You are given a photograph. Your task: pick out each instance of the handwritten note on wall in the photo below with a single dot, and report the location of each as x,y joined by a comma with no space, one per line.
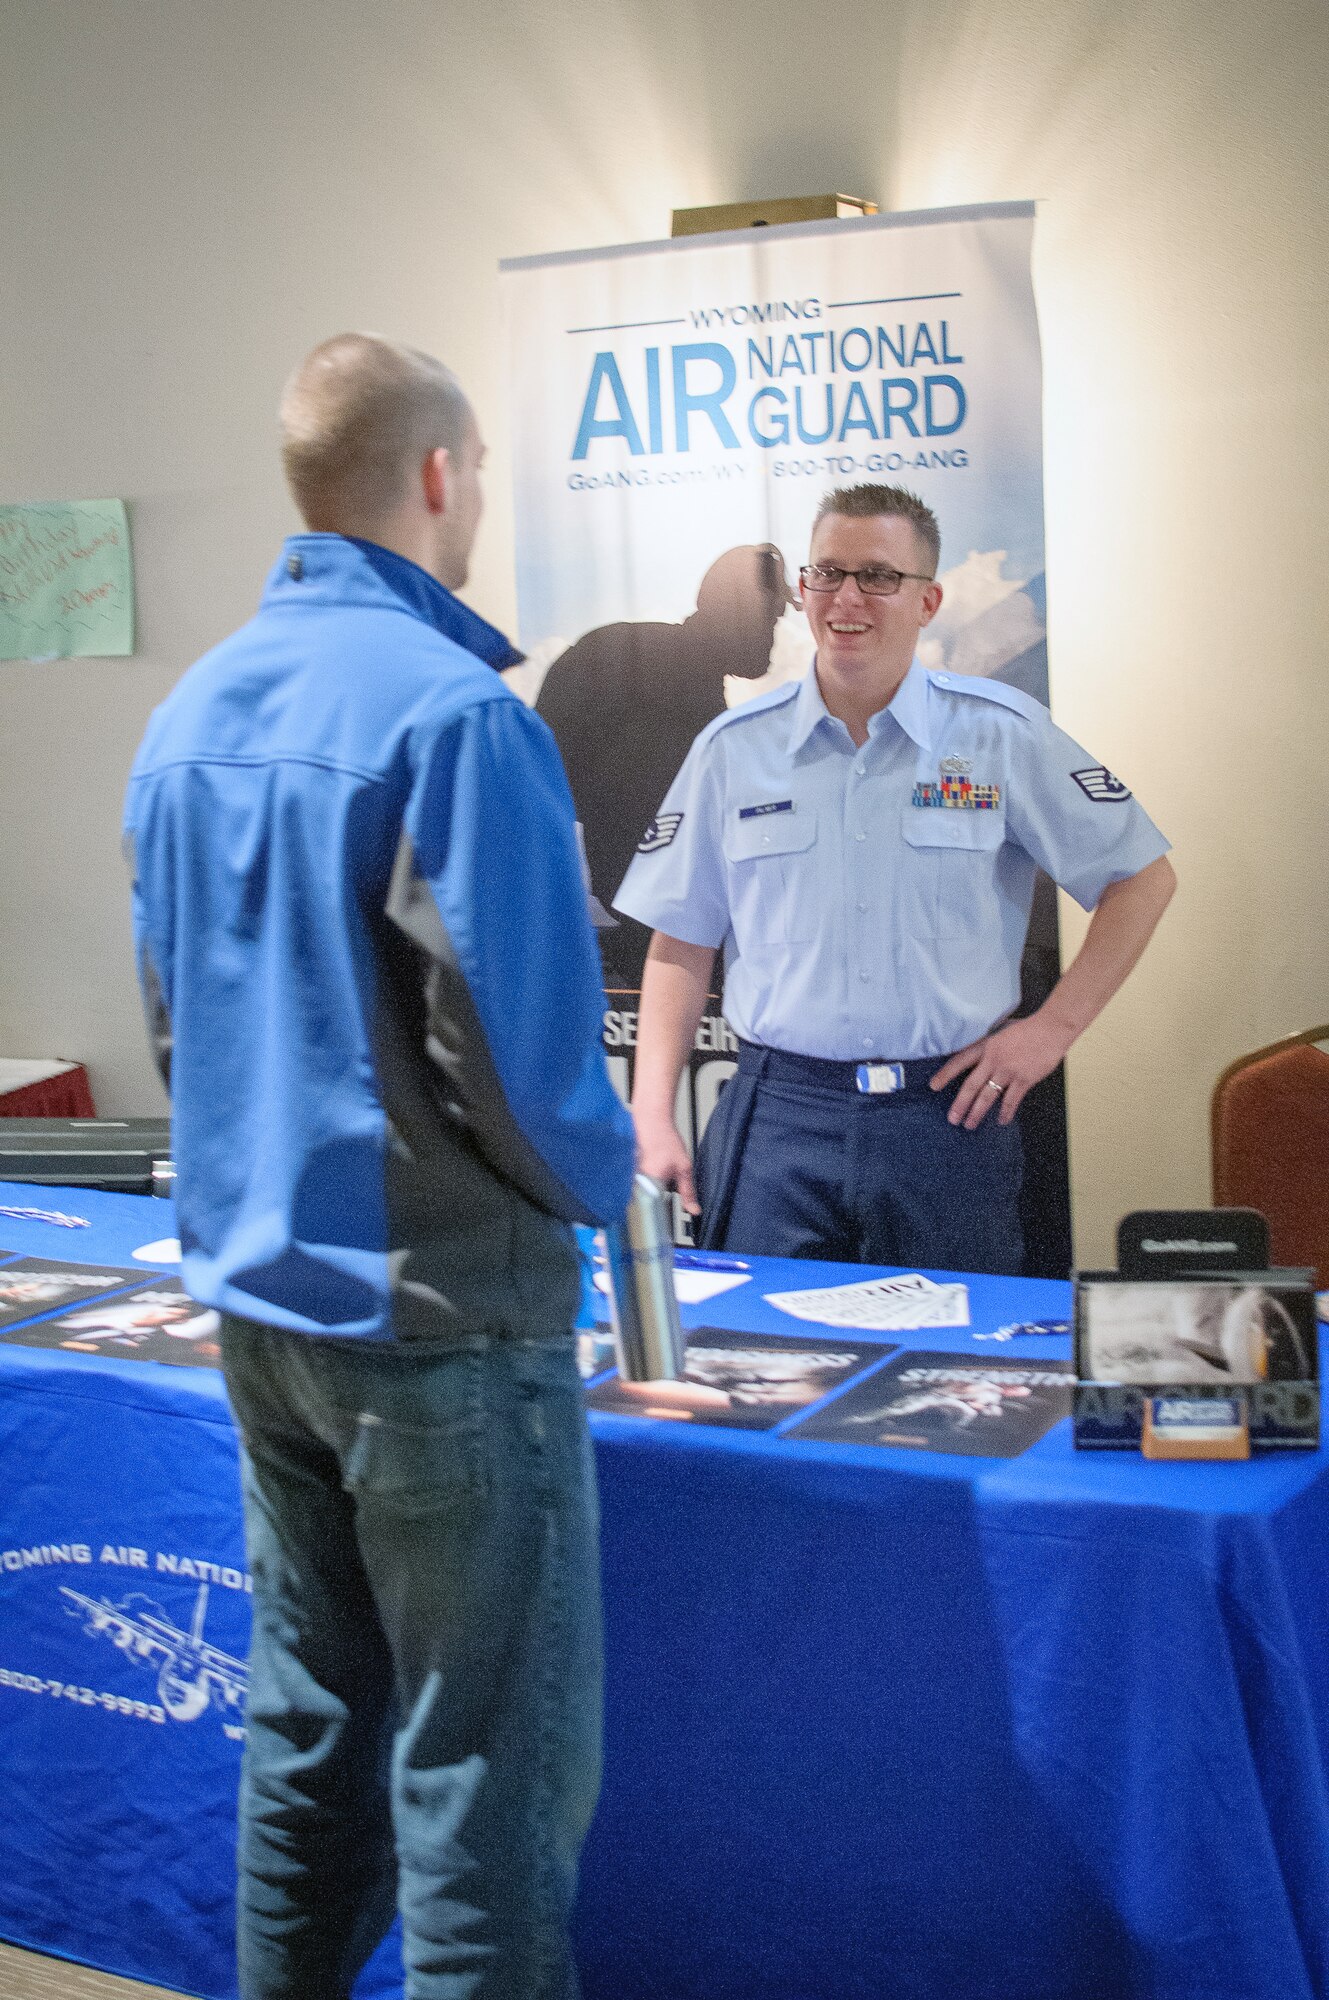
66,580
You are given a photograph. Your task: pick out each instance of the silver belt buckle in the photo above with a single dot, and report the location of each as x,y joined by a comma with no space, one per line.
879,1079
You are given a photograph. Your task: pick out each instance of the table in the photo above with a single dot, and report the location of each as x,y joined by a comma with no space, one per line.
44,1089
879,1722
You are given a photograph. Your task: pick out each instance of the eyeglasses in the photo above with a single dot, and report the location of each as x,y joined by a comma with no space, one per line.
876,580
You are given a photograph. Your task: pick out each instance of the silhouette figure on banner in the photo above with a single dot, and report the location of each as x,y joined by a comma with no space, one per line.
625,702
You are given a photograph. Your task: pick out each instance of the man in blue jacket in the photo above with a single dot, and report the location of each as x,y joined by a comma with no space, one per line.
373,985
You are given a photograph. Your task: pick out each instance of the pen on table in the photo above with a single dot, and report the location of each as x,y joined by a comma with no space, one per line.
705,1260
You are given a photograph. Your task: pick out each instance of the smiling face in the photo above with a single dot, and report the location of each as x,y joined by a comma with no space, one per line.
865,644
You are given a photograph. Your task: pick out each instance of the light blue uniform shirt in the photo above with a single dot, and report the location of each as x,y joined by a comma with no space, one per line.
873,903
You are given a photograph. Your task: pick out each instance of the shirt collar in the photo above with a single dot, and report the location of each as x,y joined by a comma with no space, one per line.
809,711
342,569
908,705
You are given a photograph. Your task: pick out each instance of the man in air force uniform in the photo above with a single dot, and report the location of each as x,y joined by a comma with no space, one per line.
863,845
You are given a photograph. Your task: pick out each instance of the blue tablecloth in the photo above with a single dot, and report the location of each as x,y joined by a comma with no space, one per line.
879,1722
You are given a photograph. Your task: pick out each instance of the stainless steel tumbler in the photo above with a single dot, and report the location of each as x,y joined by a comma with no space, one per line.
639,1253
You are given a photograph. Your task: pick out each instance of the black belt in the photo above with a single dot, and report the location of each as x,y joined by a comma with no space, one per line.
783,1066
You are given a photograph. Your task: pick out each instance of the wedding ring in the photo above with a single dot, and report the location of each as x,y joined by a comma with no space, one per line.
998,1087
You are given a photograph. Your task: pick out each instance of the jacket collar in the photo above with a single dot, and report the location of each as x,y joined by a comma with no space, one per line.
341,569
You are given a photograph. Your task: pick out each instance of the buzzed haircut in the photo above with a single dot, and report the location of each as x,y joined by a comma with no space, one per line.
357,416
867,501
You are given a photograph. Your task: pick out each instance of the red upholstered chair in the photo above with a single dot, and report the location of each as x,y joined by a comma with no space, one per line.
1270,1126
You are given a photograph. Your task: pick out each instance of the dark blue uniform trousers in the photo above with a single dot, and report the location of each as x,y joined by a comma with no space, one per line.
797,1162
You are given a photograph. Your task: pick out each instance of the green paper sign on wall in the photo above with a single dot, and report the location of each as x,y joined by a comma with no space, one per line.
66,580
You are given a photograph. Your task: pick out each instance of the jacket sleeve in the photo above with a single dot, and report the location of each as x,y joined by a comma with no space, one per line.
157,1013
487,885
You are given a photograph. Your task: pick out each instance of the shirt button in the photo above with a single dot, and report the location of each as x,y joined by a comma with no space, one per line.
864,975
867,1041
862,906
859,769
860,836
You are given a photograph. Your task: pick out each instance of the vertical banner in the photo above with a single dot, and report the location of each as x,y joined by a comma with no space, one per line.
679,410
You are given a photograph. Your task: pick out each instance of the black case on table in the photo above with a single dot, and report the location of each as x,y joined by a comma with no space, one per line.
115,1155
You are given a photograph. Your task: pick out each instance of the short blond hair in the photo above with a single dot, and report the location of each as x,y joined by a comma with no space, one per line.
869,502
356,416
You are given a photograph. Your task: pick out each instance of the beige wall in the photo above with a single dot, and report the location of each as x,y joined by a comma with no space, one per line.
192,193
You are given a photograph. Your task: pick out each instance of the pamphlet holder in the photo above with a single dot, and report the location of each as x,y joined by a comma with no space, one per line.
1193,1347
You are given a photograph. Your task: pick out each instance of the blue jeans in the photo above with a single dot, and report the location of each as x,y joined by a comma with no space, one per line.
425,1669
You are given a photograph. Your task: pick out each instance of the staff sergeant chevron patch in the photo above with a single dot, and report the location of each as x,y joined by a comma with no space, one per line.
659,833
1099,784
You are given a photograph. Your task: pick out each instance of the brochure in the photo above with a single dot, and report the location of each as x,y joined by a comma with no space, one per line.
744,1381
992,1408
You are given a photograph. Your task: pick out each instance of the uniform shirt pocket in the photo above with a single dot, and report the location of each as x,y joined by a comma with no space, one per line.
770,861
950,868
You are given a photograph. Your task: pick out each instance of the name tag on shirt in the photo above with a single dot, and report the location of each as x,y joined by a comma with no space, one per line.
760,812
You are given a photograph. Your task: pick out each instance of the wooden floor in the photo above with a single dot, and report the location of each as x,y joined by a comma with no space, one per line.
26,1975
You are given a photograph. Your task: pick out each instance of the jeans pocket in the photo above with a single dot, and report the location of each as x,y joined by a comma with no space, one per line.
430,1454
548,1415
